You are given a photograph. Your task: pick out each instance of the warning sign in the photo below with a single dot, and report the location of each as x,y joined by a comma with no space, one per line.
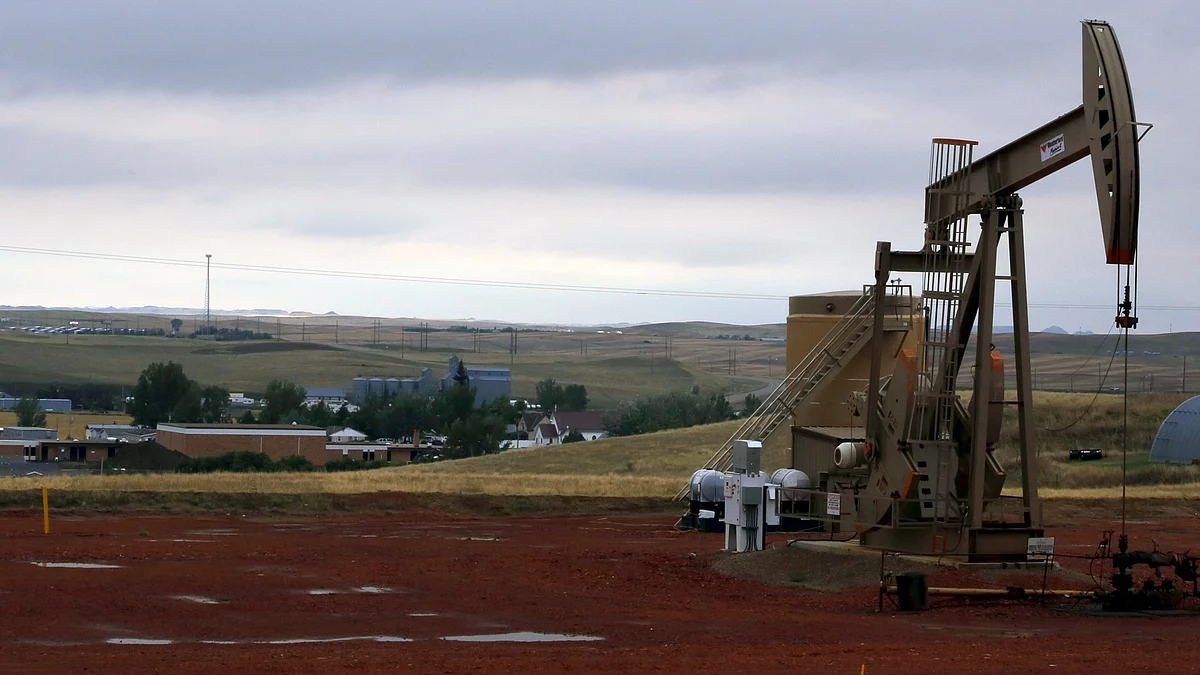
1054,147
833,504
1040,548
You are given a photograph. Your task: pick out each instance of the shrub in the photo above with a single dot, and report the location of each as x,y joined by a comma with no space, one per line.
294,463
243,461
352,465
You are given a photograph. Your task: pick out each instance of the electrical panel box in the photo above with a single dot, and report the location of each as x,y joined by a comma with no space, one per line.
746,506
747,457
733,493
771,507
752,496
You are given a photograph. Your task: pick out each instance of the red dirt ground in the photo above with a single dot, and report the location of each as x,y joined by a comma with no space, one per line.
626,579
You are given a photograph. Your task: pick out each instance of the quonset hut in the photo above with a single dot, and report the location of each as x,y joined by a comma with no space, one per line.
1178,439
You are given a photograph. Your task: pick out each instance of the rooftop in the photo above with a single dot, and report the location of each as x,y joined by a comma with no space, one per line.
326,392
581,420
242,427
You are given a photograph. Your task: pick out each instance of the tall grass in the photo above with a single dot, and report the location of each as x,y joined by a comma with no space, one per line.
1064,422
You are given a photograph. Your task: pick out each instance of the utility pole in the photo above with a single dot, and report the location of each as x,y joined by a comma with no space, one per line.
335,332
207,288
1183,384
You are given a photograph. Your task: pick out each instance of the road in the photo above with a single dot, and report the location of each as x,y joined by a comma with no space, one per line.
769,384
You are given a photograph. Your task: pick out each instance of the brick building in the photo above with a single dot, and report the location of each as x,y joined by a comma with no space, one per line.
273,440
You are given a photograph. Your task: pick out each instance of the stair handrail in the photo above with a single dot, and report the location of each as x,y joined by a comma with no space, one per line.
750,429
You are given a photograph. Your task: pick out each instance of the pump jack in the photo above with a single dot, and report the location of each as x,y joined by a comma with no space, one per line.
925,480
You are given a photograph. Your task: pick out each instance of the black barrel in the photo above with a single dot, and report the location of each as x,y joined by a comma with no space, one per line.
912,591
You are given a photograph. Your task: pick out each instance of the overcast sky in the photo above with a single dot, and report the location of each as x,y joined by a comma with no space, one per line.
735,147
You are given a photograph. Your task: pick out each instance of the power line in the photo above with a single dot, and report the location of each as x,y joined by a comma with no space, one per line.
349,274
488,283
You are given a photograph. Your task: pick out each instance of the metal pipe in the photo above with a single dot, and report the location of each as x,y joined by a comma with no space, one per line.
1014,592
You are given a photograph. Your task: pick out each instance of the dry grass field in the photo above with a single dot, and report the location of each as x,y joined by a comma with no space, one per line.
673,454
1064,421
359,482
1067,421
623,369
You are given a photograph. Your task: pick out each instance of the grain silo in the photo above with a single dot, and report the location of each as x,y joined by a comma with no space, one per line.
376,387
358,390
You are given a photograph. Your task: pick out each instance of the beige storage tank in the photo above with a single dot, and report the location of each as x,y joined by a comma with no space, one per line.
811,317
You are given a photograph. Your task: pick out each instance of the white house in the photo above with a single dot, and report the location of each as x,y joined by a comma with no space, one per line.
346,435
546,434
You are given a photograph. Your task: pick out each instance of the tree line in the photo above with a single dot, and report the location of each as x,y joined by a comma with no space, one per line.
165,394
672,410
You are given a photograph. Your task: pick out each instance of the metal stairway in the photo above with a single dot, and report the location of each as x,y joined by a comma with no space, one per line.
817,369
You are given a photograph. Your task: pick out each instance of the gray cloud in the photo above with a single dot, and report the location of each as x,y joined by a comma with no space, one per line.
624,143
229,45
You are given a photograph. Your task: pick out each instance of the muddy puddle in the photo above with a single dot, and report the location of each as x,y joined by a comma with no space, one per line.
523,636
282,641
198,599
77,566
368,590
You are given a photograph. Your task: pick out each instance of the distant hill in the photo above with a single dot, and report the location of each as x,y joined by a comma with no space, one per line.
709,329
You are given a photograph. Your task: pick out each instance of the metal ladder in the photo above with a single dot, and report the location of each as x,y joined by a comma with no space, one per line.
838,346
944,281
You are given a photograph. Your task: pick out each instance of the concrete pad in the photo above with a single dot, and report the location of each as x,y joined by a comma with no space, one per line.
854,548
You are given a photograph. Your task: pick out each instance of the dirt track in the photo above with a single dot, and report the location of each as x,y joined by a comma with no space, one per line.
423,576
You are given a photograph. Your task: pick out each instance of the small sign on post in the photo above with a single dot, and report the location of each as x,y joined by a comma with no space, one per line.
833,504
1039,548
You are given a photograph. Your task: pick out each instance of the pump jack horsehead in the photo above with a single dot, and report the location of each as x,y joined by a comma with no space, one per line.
926,480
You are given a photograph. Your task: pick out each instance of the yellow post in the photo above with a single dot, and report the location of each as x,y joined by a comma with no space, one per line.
46,509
